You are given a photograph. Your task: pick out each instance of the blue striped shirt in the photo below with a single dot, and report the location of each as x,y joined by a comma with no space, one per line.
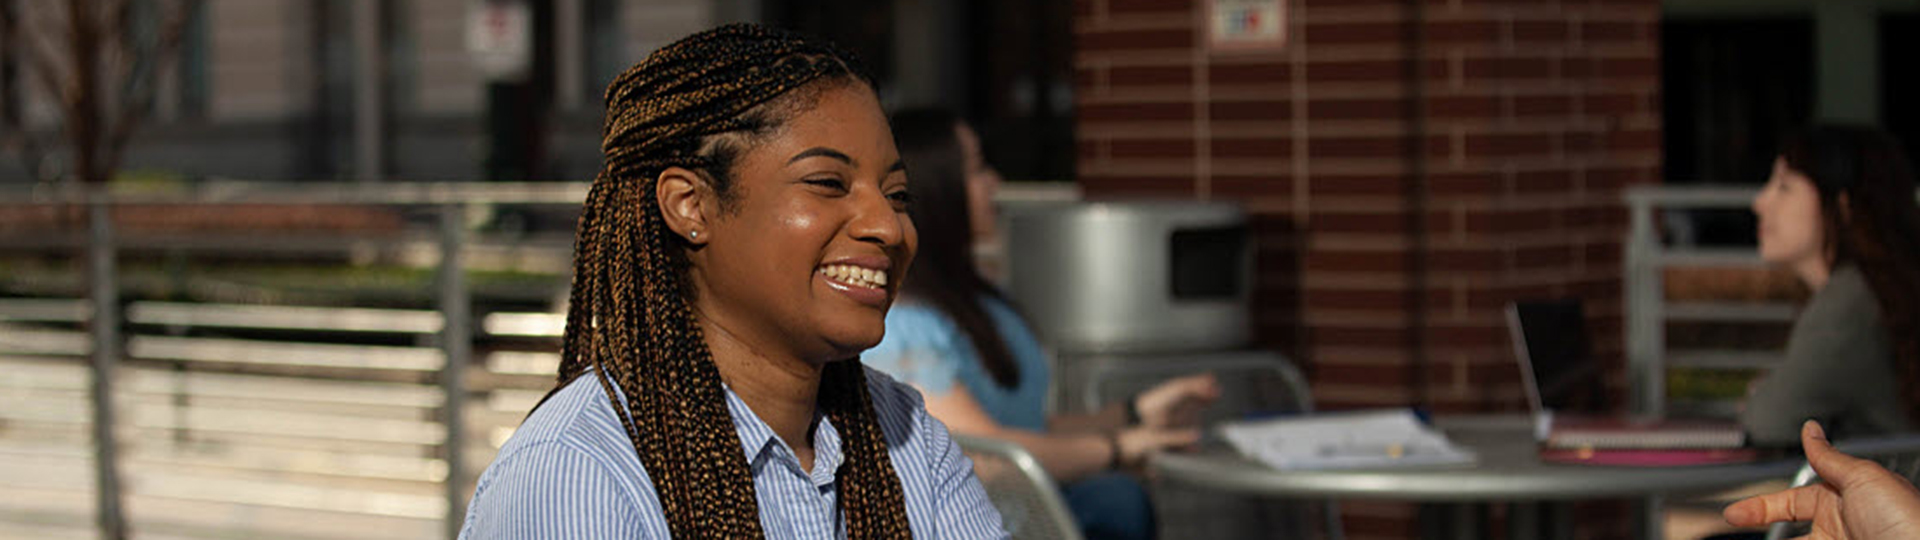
571,472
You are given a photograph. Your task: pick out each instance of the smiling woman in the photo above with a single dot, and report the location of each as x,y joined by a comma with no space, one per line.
744,241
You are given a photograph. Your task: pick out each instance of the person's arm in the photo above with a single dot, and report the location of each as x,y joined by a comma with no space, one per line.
1820,373
554,490
1857,499
1173,403
1066,456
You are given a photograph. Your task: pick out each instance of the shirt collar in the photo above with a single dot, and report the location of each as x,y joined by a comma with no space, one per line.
761,445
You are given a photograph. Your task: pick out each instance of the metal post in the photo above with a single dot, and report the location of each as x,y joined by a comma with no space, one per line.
369,79
1646,321
456,341
105,328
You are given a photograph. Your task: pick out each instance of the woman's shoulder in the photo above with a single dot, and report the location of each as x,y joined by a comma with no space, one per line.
578,415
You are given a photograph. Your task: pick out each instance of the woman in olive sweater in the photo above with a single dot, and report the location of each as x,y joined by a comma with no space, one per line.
1839,212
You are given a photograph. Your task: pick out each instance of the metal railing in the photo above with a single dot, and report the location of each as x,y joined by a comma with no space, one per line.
181,354
105,316
1648,311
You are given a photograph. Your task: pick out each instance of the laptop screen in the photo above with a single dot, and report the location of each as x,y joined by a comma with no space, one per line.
1556,364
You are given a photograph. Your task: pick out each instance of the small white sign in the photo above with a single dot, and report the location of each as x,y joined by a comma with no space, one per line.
1247,24
500,38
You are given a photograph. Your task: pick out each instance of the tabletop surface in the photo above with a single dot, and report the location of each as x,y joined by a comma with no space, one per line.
1508,468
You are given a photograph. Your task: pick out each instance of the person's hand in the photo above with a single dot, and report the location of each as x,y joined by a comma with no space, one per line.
1139,443
1858,499
1176,402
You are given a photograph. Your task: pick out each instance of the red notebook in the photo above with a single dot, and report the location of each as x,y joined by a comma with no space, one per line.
1605,433
1648,458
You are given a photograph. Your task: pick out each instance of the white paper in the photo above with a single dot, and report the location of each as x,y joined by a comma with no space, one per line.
1344,440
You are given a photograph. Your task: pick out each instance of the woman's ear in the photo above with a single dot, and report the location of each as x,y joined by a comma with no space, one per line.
683,196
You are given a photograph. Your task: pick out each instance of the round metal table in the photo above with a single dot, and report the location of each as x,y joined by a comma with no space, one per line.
1508,470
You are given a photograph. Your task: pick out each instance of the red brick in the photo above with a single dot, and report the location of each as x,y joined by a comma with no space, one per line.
1257,111
1379,261
1260,147
1354,337
1463,32
1458,107
1463,184
1358,299
1149,76
1354,33
1503,221
1479,69
1634,140
1580,142
1150,148
1603,182
1627,68
1508,144
1358,221
1614,104
1167,7
1382,146
1603,254
1124,187
1465,259
1240,186
1497,298
1129,40
1543,182
1451,335
1369,70
1087,149
1539,257
1228,74
1548,105
1135,112
1383,186
1356,109
1530,33
1598,32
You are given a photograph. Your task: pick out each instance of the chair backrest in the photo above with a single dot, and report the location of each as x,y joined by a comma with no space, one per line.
1252,384
1029,502
1900,454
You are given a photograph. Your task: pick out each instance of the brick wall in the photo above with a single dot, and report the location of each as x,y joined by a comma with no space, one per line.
1400,199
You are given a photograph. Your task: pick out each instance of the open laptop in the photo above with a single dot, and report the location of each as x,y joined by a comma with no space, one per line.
1568,398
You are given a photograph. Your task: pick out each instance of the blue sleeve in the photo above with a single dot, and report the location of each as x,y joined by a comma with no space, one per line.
922,347
553,490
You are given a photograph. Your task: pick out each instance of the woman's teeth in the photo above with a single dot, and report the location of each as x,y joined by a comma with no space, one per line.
854,275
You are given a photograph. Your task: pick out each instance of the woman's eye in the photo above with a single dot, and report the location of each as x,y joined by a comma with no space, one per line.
901,197
829,183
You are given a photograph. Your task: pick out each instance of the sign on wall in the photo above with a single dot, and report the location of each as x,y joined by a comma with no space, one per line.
500,38
1247,24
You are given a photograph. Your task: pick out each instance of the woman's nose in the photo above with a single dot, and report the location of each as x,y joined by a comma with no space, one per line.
875,220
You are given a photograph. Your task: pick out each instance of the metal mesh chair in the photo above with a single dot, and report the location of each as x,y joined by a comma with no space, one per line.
1029,502
1900,454
1251,384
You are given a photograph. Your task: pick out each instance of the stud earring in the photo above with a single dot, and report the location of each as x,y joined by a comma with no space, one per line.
694,234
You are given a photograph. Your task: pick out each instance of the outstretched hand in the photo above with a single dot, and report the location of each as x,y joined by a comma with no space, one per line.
1857,500
1177,402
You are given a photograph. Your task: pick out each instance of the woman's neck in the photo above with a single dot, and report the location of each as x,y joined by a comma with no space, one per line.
1813,272
780,389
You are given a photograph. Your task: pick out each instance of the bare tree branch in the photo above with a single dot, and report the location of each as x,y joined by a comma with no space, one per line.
165,55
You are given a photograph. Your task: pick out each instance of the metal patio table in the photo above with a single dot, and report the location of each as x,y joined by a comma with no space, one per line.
1508,470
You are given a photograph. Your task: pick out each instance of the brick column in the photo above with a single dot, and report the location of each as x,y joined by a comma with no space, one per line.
1409,174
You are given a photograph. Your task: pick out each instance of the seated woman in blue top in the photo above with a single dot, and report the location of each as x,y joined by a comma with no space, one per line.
983,373
741,246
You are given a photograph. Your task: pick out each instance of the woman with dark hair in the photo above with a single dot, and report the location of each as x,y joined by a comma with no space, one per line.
957,339
1839,213
741,246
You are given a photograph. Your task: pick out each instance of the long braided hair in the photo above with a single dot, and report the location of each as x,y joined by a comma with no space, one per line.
629,321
